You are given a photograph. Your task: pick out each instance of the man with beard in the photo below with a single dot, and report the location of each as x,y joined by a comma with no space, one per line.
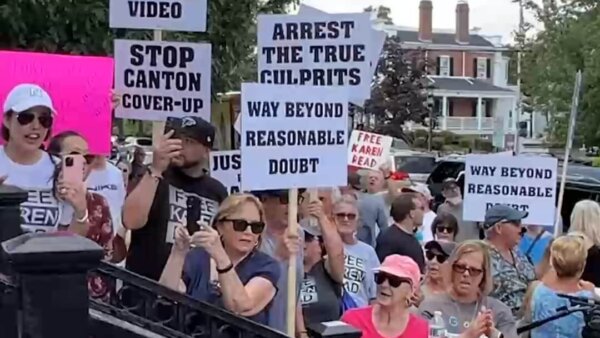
159,202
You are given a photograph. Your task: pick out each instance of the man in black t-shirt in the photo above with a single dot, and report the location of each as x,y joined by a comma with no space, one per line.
407,212
159,202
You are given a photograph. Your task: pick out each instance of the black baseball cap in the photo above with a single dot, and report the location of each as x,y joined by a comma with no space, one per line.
502,213
444,247
193,127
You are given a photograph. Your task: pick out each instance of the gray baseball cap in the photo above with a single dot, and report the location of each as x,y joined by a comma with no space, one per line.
502,213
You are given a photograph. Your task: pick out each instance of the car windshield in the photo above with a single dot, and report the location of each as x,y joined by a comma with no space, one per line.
414,164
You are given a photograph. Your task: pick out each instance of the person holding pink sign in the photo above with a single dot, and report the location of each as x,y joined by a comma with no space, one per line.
28,120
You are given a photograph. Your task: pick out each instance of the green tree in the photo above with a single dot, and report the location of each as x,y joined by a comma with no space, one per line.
398,93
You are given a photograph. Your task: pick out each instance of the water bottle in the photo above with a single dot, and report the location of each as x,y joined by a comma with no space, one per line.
437,327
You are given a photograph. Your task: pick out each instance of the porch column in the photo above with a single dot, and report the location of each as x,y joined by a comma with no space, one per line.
444,112
479,113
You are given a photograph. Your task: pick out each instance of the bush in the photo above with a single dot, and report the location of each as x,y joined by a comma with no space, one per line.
420,142
596,162
484,145
465,142
420,133
448,136
437,143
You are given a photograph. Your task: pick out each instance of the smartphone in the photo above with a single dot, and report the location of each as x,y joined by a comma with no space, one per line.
170,124
193,214
72,168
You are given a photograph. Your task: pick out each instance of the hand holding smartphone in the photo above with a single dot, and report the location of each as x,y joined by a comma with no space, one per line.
193,214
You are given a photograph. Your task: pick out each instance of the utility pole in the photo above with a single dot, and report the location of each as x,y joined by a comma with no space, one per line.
429,102
520,40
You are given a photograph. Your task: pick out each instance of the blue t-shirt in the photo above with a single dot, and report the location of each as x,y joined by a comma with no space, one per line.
539,248
196,276
544,304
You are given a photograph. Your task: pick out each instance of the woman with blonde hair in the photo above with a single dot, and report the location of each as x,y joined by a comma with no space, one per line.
221,264
585,218
466,308
567,261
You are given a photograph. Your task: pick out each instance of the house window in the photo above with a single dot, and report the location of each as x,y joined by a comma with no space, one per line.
482,68
445,65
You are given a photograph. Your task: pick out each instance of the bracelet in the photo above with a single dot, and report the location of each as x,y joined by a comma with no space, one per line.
225,269
85,217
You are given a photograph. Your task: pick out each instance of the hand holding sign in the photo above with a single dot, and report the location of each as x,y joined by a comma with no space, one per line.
166,149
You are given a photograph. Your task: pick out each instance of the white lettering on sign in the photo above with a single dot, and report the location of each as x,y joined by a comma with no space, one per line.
368,150
175,15
178,210
526,183
41,212
316,50
160,79
225,166
293,136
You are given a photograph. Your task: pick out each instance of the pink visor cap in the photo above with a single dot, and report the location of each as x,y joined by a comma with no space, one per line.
403,267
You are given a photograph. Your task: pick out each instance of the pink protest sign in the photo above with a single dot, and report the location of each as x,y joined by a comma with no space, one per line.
79,86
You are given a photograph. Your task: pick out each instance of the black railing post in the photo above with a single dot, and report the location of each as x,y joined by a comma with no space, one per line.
335,329
50,273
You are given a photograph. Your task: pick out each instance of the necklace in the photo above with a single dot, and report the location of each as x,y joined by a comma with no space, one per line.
460,316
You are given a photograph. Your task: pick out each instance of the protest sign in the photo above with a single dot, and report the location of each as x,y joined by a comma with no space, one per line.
375,43
225,167
368,150
526,183
316,50
173,15
293,136
78,85
162,79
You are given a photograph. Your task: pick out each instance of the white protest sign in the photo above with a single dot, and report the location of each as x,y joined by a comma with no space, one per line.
225,167
171,15
526,183
293,136
368,150
161,79
316,50
375,43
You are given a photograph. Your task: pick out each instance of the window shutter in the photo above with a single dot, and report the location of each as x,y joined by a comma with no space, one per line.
474,68
474,105
489,68
438,65
450,107
451,66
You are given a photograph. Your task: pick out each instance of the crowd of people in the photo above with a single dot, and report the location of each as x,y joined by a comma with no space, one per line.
376,253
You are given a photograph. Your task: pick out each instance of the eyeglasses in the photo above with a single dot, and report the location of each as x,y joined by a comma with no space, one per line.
27,117
341,215
441,258
394,281
444,229
240,225
460,268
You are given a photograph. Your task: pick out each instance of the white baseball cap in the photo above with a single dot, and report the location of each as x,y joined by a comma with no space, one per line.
26,96
419,188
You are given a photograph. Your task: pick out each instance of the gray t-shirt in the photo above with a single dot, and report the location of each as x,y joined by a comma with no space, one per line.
278,311
457,316
360,260
373,217
466,229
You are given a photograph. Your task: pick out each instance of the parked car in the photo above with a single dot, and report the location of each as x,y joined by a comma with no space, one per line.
418,165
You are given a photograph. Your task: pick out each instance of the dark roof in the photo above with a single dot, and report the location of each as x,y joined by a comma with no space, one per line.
444,38
465,84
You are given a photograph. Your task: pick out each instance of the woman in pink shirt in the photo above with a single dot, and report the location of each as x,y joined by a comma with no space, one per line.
389,317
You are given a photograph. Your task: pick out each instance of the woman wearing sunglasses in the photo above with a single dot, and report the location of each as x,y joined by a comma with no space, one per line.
444,227
222,264
436,255
27,123
466,308
397,279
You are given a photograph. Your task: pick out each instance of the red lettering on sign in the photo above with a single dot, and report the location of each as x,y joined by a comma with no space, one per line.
354,147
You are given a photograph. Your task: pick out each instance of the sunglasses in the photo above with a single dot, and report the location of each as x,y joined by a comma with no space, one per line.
89,158
460,268
394,281
350,217
444,229
441,258
240,225
27,117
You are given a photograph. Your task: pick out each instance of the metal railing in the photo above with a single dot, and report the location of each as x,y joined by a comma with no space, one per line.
456,123
158,309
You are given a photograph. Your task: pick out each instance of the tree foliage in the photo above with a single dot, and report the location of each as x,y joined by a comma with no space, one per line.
383,13
570,41
80,27
398,92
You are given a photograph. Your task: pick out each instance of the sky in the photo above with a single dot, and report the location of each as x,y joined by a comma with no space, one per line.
494,17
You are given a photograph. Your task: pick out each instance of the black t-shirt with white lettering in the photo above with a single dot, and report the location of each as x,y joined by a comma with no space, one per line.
151,245
394,240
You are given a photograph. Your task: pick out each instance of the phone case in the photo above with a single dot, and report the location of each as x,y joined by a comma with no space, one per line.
193,214
72,168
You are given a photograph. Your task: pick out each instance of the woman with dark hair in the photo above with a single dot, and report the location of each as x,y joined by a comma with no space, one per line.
444,227
28,119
